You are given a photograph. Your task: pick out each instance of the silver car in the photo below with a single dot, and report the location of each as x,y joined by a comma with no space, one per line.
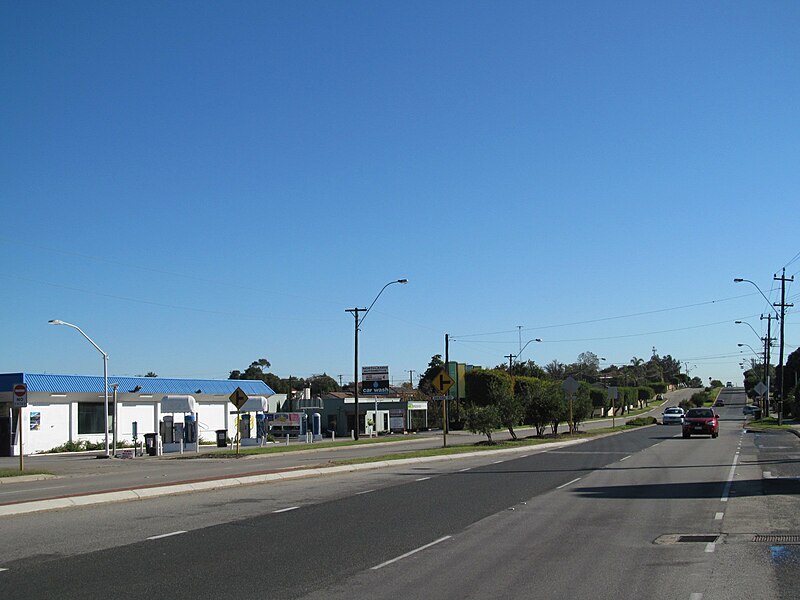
672,416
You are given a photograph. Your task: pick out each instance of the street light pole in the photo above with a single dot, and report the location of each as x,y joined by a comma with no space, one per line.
358,322
105,373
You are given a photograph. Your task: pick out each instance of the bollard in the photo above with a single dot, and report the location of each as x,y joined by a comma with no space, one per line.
287,439
333,436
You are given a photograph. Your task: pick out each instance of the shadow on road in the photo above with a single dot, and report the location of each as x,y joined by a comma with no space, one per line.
703,489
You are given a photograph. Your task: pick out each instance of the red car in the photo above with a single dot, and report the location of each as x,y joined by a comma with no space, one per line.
700,420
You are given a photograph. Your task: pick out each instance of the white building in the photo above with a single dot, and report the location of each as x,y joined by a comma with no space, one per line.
69,408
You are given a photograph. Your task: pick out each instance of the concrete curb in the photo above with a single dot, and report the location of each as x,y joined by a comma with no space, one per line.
25,478
185,488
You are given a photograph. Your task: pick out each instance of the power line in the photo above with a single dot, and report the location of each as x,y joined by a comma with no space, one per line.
602,319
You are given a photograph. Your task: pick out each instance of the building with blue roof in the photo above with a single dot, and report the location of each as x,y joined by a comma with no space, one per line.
69,408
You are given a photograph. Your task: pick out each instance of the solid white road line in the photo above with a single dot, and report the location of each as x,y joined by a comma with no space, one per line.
1,569
364,492
568,483
283,510
422,479
727,491
164,535
407,554
464,469
626,458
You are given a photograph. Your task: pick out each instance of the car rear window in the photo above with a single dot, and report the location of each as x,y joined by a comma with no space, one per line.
700,413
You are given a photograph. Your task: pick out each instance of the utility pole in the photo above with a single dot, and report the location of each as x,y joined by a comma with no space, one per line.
519,327
767,359
445,423
783,306
411,377
510,357
354,312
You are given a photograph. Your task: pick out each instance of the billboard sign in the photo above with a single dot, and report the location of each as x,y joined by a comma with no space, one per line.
375,380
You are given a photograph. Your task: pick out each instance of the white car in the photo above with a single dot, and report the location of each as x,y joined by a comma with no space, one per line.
672,416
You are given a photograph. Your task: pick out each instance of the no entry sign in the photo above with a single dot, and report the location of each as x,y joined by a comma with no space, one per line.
20,395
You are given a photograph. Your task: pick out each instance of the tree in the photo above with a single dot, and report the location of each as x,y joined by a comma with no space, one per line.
151,374
426,381
322,384
483,419
636,364
495,388
556,369
540,401
528,369
586,367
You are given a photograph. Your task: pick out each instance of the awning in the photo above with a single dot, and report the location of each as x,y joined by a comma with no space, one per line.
255,404
178,404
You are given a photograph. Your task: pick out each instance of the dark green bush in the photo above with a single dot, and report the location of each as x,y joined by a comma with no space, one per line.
640,421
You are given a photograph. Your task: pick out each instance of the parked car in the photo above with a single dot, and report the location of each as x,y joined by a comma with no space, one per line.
700,420
672,416
752,409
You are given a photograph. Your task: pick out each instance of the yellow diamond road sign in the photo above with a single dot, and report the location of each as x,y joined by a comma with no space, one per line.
443,382
238,398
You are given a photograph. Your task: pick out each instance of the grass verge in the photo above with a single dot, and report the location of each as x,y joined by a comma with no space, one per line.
769,423
18,473
279,448
485,447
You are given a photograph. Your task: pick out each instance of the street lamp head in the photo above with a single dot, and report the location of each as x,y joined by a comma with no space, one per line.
403,281
537,339
738,280
738,322
55,322
740,345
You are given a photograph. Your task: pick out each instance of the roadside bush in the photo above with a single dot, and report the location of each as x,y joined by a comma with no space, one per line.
644,394
700,398
660,387
641,421
483,419
77,446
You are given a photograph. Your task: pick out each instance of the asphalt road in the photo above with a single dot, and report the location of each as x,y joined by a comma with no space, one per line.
85,474
600,519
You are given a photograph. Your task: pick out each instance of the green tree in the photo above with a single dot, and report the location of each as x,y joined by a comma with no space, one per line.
322,384
495,388
426,381
528,369
540,400
483,419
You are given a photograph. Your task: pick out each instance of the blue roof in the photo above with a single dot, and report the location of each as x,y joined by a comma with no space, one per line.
139,385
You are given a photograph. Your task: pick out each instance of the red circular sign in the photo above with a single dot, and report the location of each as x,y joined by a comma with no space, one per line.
20,390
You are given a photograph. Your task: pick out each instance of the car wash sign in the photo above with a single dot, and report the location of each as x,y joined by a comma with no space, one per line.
375,380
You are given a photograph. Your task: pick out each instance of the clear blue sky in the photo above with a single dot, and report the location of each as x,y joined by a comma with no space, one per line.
198,185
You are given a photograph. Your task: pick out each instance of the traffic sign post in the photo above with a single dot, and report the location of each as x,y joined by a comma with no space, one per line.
20,401
443,382
238,398
613,394
570,386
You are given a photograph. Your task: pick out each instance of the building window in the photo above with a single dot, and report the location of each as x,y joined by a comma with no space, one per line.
90,417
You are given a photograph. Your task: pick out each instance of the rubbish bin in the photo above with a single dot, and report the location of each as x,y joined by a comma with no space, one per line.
222,438
150,444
